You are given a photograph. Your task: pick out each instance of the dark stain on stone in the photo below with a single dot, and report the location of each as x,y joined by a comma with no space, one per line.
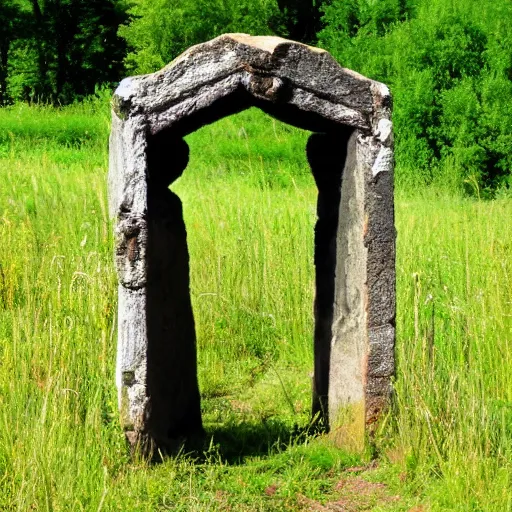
133,248
128,378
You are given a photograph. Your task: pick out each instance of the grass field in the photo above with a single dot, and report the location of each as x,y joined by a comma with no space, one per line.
249,205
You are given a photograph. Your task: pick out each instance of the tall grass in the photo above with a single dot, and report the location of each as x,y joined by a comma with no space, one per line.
454,382
249,206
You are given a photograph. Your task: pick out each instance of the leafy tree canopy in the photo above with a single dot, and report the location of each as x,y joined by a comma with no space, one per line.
162,29
67,47
449,67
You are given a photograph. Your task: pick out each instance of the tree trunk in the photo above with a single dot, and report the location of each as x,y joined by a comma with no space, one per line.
4,56
43,89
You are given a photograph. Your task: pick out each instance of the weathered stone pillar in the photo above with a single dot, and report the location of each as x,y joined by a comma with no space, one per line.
351,157
362,344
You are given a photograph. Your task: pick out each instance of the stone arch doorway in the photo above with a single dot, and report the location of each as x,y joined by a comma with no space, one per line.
350,155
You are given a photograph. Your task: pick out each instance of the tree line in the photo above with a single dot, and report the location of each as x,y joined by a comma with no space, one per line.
58,50
448,62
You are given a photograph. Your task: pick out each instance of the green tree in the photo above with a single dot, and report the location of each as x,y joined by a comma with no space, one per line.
12,23
70,47
162,29
449,67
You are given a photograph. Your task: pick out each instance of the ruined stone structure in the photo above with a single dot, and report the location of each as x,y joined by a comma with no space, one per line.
351,156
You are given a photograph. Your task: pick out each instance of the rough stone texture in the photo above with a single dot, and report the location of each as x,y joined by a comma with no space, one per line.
349,336
351,157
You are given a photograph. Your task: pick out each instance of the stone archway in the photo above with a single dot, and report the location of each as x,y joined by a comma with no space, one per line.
351,157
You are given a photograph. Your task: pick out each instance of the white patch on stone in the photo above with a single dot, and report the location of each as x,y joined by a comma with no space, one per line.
383,162
382,88
384,130
125,89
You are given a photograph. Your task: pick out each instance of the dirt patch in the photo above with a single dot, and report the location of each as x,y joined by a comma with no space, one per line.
355,495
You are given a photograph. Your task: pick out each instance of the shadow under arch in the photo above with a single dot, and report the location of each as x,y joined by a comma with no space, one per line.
350,158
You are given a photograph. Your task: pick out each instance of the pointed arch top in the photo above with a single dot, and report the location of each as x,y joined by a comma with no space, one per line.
299,84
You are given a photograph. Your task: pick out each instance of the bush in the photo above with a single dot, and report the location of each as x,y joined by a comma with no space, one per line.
449,68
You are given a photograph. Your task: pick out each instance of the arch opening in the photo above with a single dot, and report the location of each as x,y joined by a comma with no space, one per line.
172,358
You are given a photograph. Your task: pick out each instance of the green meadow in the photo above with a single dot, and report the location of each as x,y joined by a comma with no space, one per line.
249,206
